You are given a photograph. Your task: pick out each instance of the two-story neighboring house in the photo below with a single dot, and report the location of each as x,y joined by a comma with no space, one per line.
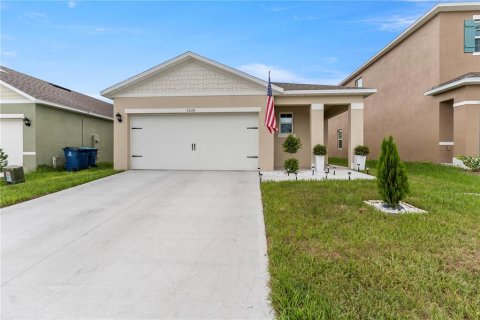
428,89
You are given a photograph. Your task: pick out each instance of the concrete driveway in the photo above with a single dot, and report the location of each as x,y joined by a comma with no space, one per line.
138,245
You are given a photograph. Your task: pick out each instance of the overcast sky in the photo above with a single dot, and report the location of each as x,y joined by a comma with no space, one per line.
88,46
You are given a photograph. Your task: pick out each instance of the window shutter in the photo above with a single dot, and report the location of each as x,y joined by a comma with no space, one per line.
469,41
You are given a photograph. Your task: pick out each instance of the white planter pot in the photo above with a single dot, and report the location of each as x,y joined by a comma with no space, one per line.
359,160
320,163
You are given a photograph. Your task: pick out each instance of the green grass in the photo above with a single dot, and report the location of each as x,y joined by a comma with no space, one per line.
44,181
333,257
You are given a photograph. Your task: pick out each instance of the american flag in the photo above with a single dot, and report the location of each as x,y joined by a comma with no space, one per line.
270,121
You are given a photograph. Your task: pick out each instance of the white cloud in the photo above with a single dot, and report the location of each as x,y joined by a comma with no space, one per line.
6,37
330,60
285,8
72,4
11,54
101,30
36,17
279,74
392,23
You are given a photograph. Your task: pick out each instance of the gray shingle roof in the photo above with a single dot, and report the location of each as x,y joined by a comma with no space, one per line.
463,76
305,86
52,93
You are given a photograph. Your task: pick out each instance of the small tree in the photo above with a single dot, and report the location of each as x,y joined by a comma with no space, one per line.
392,178
291,145
291,165
3,159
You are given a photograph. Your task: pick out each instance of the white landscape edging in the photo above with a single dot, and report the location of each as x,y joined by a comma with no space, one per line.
402,208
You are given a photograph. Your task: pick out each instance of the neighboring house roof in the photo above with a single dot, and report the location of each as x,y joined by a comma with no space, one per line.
470,78
278,87
41,91
441,7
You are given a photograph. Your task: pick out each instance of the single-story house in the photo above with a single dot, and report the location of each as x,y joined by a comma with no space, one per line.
38,119
193,113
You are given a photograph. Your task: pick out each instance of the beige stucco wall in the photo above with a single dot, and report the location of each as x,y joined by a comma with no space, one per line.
453,60
334,124
121,130
301,129
430,56
467,130
270,154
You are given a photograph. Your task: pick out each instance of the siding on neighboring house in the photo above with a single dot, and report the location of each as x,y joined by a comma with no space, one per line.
58,128
431,55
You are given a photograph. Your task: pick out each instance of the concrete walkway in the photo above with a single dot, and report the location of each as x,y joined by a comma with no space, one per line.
138,245
335,173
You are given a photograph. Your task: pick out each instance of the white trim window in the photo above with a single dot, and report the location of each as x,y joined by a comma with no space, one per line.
340,139
359,82
285,124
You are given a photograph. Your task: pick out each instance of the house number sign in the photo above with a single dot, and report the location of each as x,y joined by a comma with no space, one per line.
190,110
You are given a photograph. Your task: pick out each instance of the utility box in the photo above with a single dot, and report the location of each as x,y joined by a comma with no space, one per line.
95,140
13,174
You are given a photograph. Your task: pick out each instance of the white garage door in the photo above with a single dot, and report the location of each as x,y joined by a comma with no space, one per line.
194,141
11,140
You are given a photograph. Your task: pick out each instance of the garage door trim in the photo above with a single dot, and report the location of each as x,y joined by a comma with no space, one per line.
192,110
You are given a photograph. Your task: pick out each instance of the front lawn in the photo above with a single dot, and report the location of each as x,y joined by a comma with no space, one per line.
44,181
332,256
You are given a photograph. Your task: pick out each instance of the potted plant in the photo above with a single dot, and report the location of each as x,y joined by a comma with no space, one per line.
360,158
291,145
320,151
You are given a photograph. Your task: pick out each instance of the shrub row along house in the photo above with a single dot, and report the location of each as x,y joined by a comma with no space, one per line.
428,89
38,119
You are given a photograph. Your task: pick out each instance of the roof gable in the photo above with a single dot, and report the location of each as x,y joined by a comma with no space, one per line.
189,74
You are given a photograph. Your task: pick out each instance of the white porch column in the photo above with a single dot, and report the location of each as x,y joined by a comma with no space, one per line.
325,137
355,130
317,135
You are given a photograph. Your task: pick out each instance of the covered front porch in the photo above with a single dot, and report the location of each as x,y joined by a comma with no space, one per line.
306,116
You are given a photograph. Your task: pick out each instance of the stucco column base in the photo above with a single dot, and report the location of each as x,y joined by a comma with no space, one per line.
317,122
355,130
466,130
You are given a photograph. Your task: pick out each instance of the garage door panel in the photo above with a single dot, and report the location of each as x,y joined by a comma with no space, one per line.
221,142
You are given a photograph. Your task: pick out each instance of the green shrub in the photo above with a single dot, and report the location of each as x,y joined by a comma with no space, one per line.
292,144
361,150
472,163
3,159
392,178
291,165
319,150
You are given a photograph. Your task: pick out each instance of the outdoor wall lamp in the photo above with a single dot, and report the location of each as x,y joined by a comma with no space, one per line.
27,122
119,117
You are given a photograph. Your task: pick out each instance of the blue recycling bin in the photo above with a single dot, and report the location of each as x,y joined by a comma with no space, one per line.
75,158
91,155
